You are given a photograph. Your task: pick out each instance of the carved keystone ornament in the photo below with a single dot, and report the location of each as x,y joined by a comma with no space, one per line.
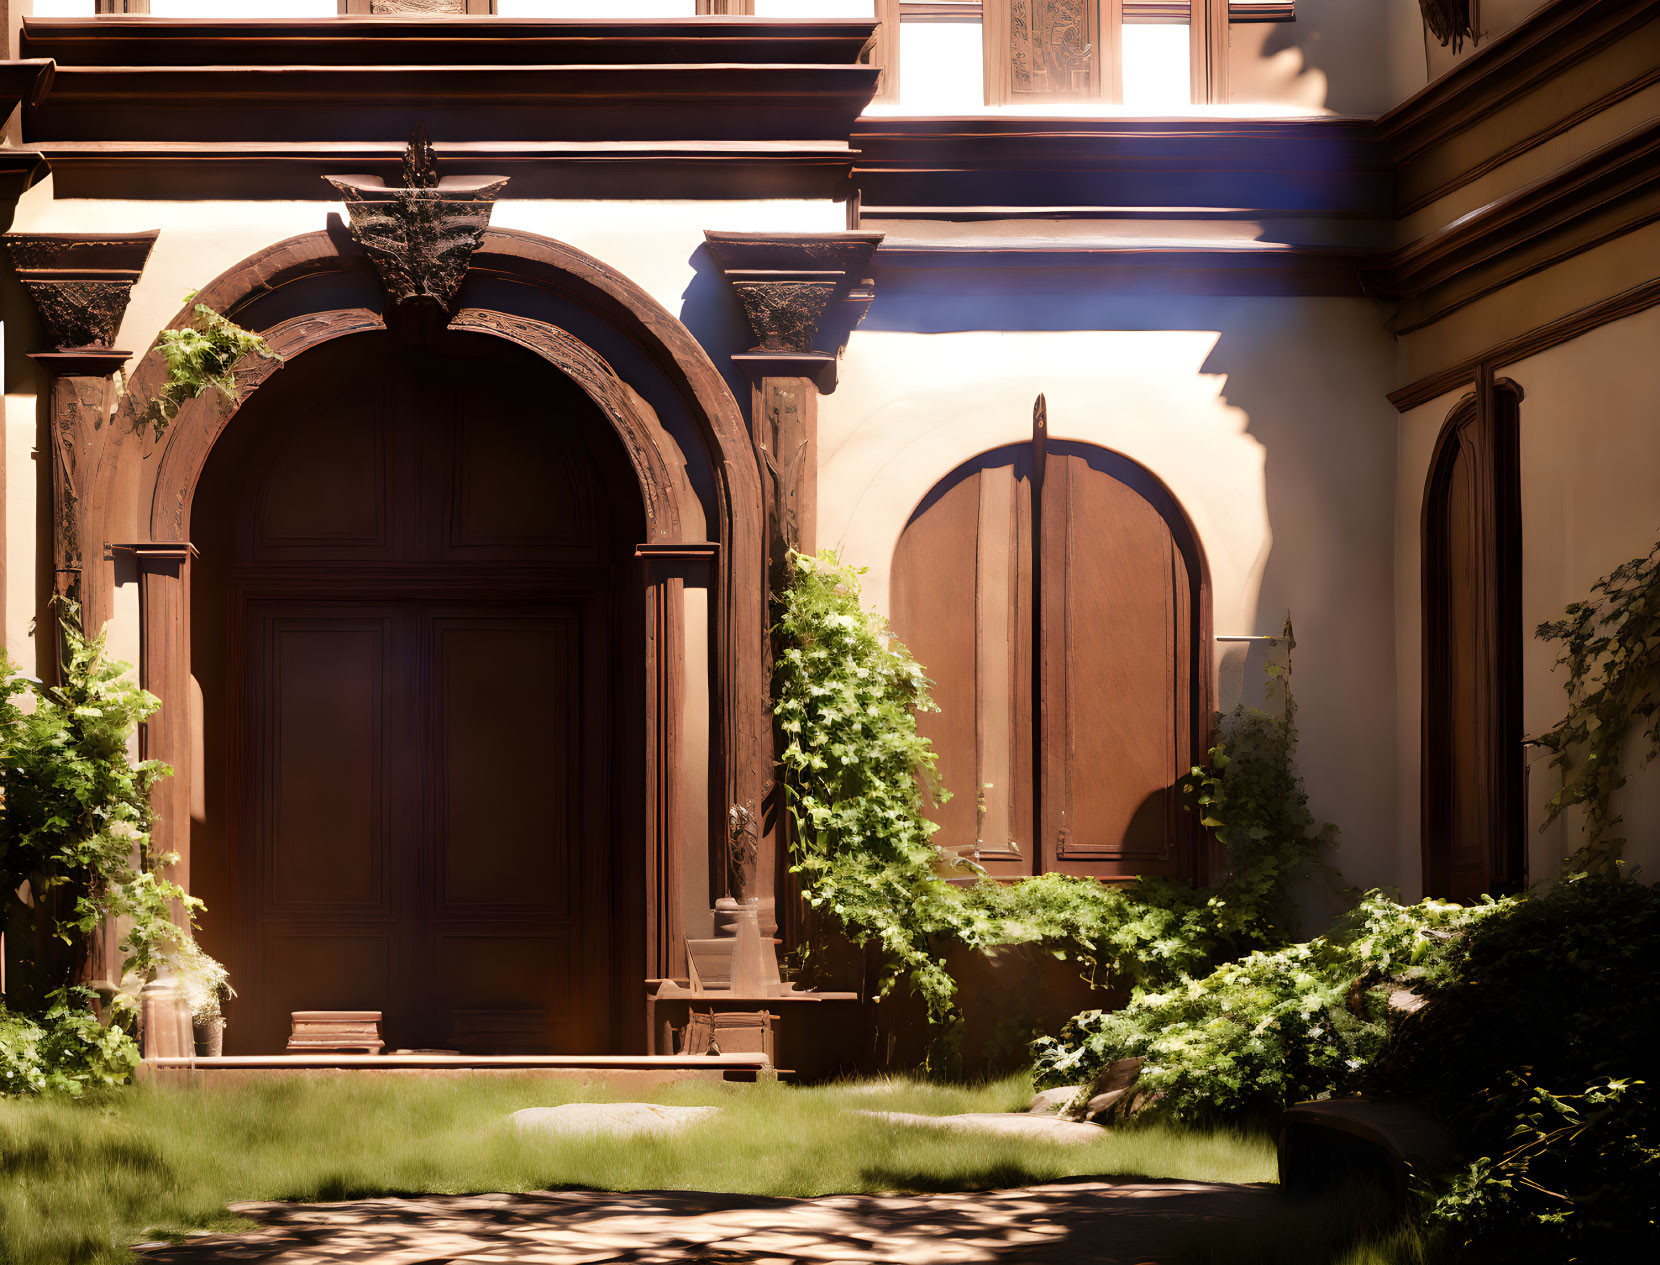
421,235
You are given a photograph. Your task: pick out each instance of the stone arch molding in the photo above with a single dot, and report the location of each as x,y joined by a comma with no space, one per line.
702,499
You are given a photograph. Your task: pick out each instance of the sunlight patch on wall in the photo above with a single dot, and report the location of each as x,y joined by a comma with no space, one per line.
911,408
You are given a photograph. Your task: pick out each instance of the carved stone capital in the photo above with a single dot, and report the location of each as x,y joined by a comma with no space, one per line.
80,282
420,235
801,292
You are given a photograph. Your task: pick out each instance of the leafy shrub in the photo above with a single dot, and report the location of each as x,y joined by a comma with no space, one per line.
1543,1054
1276,1027
75,854
64,1051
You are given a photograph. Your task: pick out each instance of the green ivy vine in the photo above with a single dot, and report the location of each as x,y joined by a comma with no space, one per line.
859,781
202,356
1610,646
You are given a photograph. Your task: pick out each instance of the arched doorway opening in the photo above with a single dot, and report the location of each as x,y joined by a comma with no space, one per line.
416,628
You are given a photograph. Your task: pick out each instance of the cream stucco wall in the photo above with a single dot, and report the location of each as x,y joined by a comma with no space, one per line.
1266,419
1590,501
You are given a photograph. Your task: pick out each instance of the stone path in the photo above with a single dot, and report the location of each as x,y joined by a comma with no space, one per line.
1104,1223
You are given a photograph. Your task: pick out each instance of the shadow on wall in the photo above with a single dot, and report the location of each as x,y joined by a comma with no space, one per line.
710,310
1309,375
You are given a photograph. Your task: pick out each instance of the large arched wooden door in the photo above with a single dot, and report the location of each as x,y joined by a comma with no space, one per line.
1056,595
1472,754
409,620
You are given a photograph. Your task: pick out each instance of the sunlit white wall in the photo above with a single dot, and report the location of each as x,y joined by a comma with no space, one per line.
815,8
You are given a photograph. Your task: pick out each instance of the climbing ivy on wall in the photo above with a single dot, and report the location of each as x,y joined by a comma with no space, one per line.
859,780
1610,646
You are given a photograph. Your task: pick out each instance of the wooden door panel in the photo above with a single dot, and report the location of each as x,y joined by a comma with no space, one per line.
322,828
1466,846
961,603
514,482
511,993
324,490
1116,673
419,602
508,769
1114,698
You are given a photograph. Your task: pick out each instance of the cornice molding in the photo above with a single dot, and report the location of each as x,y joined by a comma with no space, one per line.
507,103
1604,194
989,166
1536,54
1241,271
1638,298
486,41
185,170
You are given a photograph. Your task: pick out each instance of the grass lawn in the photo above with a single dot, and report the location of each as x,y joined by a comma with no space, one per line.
80,1181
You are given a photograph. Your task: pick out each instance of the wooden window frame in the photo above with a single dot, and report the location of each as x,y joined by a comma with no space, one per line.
360,8
1490,416
1209,22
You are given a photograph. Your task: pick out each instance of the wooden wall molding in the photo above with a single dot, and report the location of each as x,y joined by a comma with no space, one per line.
1012,166
1152,270
1639,298
1535,55
1608,192
501,41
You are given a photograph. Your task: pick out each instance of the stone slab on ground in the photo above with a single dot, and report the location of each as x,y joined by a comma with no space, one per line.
1051,1101
1008,1123
1060,1223
613,1119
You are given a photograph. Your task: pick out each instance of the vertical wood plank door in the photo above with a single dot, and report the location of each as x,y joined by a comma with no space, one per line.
419,584
1117,646
1473,839
1066,648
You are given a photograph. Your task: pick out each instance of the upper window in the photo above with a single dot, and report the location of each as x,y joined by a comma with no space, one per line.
1146,54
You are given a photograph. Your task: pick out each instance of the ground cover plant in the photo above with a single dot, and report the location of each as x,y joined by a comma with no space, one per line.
81,1180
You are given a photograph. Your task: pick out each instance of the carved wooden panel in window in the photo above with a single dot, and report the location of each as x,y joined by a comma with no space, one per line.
416,8
1052,50
1066,576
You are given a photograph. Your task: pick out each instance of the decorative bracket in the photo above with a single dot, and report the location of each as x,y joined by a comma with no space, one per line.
420,235
80,283
802,292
